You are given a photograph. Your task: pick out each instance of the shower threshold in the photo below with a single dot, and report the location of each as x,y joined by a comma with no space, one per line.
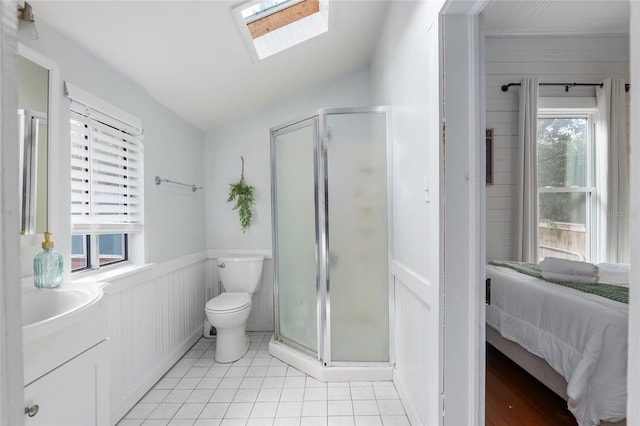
342,373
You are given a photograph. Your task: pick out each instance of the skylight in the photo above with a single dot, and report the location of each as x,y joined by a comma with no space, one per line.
271,26
266,8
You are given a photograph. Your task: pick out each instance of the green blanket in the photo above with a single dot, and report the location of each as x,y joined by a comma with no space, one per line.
613,292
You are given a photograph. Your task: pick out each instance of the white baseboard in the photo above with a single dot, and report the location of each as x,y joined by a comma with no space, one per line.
408,407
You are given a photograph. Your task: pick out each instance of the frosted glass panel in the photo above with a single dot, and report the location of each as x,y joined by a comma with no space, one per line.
358,272
296,236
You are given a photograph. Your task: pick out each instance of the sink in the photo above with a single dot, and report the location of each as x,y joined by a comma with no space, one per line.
47,305
47,311
59,324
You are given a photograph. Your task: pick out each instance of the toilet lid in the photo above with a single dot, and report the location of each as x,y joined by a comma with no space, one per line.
228,302
229,258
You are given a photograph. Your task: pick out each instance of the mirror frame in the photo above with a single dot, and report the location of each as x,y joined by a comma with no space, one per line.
53,131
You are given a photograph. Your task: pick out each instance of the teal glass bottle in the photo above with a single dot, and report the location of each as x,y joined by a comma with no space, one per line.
47,266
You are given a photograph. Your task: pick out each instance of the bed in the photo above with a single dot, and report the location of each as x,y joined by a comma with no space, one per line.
574,342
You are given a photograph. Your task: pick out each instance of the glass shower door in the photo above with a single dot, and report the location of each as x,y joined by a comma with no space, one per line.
294,221
358,276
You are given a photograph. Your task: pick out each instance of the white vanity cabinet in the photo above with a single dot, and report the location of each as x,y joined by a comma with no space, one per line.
75,393
65,356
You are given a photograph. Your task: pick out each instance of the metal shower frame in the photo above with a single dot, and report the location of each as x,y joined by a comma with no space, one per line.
323,284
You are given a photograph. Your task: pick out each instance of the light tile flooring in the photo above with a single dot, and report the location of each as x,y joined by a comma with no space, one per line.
259,390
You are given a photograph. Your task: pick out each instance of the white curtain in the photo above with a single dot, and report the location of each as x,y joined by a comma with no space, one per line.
527,213
613,171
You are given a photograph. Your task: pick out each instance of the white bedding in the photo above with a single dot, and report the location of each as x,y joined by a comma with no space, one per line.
582,336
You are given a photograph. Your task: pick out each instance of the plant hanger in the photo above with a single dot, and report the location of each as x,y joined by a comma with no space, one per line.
242,194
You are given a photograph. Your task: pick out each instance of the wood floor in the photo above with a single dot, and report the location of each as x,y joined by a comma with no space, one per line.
513,397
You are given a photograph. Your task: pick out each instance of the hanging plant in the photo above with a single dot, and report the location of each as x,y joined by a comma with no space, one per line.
242,194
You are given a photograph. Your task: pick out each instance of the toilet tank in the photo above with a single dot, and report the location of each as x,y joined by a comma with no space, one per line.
240,273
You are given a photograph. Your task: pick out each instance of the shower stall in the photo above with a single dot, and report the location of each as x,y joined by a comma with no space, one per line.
331,239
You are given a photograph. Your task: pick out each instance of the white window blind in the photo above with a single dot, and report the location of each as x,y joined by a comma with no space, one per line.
106,173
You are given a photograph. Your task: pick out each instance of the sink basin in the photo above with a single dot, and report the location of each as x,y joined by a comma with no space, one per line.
47,305
46,311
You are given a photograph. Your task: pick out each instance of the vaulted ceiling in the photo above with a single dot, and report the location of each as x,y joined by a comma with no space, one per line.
191,56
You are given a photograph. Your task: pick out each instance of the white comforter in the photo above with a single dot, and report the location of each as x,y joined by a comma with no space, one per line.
582,336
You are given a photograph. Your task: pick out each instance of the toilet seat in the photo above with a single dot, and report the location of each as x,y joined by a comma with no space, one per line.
229,303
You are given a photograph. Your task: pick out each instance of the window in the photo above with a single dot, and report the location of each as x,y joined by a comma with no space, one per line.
106,182
267,8
271,26
107,249
567,193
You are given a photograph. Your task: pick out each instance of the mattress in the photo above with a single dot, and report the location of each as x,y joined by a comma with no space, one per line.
582,336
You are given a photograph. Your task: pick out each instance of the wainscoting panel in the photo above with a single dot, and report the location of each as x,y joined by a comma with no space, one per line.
152,323
416,329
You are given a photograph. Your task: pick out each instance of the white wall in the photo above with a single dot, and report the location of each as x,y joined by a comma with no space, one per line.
405,76
250,138
170,293
174,216
552,59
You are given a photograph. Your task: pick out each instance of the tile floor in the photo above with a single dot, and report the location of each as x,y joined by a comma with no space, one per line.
259,390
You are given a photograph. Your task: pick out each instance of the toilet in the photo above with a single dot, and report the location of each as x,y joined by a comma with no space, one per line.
228,312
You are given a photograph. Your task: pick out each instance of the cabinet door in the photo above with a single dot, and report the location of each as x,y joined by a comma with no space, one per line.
70,394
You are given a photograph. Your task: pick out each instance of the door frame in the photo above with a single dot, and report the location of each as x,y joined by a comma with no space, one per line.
463,212
633,369
464,377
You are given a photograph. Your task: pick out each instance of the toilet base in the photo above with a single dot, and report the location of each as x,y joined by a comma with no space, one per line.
231,344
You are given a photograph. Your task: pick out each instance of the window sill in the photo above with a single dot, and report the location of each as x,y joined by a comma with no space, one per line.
109,273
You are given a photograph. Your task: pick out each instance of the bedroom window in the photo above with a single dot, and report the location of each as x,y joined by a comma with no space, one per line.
106,182
566,185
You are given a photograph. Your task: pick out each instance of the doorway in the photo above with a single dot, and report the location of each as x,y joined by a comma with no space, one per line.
471,334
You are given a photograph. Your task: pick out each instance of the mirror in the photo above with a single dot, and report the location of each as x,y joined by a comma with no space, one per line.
33,101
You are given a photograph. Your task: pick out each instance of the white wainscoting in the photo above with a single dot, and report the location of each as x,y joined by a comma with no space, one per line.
155,316
552,59
416,333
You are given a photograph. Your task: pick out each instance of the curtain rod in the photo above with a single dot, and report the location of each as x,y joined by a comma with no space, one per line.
159,180
567,86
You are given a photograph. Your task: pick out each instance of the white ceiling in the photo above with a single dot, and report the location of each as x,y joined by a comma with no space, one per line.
556,17
191,56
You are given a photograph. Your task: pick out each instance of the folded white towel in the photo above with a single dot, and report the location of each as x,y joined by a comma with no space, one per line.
570,278
622,267
614,273
570,267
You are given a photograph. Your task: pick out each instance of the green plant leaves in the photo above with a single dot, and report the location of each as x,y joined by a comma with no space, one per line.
242,194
